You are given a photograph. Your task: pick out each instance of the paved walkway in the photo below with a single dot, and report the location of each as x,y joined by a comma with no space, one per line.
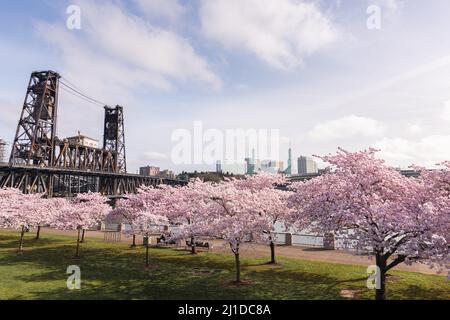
296,252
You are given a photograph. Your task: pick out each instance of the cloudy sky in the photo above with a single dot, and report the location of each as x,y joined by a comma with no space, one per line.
312,69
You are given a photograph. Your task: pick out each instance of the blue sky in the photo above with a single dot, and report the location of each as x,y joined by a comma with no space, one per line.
311,69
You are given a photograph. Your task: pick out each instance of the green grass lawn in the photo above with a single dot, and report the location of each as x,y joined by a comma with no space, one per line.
115,271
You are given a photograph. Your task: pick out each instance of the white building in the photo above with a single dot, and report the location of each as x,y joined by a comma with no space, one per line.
231,167
2,150
271,166
83,141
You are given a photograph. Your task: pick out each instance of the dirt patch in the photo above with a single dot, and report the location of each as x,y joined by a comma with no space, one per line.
392,278
151,267
350,293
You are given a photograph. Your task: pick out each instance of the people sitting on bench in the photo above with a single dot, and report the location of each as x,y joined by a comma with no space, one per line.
199,244
163,239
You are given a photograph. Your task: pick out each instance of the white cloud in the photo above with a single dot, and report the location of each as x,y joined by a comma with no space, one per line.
427,151
10,113
345,128
155,156
127,50
8,123
279,32
414,129
132,40
116,58
446,112
170,9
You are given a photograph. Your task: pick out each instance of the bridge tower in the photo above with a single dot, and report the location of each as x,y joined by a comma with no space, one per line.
35,135
114,137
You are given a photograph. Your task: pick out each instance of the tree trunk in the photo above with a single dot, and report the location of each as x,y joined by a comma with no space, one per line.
38,232
77,252
193,249
272,252
380,292
82,235
134,241
22,233
238,264
147,263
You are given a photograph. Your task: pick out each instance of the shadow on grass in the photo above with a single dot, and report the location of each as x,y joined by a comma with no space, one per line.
11,241
291,284
414,292
114,271
110,274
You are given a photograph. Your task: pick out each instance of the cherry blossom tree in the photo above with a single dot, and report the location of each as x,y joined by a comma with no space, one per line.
271,203
14,215
146,224
84,211
143,212
236,218
273,206
436,189
127,211
24,211
9,202
46,214
188,206
375,208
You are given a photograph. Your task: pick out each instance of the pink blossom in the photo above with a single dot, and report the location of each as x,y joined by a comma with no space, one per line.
374,207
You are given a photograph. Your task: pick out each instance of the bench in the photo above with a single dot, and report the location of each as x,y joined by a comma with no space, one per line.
199,244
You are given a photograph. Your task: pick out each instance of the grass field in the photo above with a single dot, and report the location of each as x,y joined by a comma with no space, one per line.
115,271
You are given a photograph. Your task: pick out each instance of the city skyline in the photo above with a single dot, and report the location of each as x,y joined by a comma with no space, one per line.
172,63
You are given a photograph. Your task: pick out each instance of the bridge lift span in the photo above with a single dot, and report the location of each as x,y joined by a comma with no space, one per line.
40,162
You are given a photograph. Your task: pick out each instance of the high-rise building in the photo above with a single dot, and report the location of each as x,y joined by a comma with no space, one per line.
251,164
232,167
306,165
2,150
289,170
254,166
149,171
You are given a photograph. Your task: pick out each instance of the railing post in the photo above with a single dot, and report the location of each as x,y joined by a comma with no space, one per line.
289,239
328,241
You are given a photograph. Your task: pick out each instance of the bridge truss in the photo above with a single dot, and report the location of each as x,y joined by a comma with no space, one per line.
40,162
60,182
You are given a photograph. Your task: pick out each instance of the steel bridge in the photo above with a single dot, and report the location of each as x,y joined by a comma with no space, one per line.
309,176
40,162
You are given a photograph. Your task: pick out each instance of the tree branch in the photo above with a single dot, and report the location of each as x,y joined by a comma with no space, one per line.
397,261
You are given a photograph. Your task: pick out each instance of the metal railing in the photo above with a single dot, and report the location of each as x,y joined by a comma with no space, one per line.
112,236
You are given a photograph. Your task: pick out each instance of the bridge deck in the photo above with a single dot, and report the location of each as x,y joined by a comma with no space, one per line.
65,182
